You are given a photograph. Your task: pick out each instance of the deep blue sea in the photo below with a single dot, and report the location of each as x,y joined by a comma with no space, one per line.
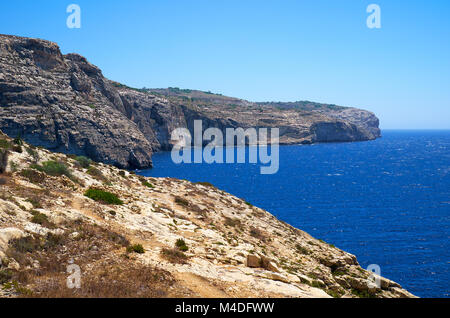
386,201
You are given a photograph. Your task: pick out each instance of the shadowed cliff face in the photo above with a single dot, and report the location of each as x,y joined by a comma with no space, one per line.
63,103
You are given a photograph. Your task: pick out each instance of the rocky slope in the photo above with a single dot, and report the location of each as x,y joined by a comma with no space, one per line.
153,237
63,103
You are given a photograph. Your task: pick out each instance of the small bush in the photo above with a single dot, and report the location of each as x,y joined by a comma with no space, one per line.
103,196
181,201
147,184
122,174
136,248
181,245
302,249
54,240
84,161
96,173
54,168
33,176
27,244
174,255
232,222
18,141
41,219
33,153
257,233
35,202
5,276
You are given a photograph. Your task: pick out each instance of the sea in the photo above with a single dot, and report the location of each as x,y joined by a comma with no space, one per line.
387,201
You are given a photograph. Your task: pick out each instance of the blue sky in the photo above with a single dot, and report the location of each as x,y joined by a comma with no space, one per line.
264,50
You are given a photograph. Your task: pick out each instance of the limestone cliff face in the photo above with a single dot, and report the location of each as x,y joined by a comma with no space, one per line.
63,103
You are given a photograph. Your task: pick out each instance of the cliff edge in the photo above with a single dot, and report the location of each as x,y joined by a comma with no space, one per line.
65,104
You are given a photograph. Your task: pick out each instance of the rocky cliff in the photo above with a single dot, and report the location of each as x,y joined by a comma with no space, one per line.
154,237
63,103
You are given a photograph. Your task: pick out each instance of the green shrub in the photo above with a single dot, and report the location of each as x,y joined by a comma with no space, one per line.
33,176
136,248
83,161
35,202
18,141
4,144
41,219
53,168
103,196
181,245
147,184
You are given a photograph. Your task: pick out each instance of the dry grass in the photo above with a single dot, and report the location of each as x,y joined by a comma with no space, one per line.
118,280
174,255
257,233
54,252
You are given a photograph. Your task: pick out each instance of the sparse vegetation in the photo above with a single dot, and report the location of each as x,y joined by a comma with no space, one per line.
136,248
54,168
257,233
33,153
35,202
97,174
302,250
174,255
146,183
5,276
41,219
232,222
33,176
103,196
181,245
84,161
181,201
206,184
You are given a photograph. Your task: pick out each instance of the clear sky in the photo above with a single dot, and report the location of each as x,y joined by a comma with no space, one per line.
314,50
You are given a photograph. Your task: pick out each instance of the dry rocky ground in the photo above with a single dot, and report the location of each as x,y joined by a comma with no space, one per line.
153,237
